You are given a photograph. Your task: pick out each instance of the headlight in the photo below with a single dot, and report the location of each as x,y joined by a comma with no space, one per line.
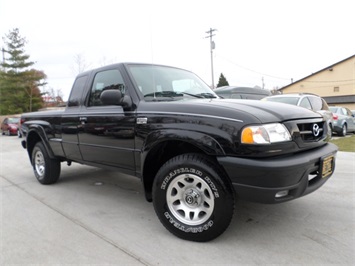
265,134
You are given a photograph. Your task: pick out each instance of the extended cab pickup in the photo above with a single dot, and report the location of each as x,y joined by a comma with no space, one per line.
194,152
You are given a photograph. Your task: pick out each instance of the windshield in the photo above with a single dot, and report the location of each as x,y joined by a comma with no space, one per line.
14,120
161,83
289,100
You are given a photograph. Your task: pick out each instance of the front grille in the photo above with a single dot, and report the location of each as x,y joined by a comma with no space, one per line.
311,131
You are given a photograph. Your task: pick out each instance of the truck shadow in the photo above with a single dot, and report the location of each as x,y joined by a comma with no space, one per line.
249,218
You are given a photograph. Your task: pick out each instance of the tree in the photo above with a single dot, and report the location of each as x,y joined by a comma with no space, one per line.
19,84
53,98
222,81
80,65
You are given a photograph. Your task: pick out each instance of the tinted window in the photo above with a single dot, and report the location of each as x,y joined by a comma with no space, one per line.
77,91
105,80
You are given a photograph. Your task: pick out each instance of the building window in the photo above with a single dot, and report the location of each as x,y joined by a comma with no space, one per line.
336,89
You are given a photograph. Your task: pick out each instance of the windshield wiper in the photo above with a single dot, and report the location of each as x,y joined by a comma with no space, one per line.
206,95
171,94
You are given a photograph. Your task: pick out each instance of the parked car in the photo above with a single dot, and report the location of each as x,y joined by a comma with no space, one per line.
232,92
10,126
344,120
307,100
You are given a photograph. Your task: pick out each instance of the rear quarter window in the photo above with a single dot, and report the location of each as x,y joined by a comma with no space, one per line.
77,92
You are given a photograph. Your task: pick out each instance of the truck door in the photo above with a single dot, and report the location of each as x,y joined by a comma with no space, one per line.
107,132
70,120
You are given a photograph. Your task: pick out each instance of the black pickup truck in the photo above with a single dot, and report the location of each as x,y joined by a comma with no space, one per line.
194,152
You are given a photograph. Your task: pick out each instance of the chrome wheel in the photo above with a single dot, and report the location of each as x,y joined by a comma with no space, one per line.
190,199
40,166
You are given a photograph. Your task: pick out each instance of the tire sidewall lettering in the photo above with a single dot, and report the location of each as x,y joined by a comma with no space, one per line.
205,170
170,217
188,229
189,170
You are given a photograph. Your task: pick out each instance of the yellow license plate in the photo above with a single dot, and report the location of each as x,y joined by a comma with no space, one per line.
327,166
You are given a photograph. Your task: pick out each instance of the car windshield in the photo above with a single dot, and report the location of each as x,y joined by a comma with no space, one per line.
289,100
162,83
13,120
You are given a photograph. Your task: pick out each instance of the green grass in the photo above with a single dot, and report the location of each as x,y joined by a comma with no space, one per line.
344,143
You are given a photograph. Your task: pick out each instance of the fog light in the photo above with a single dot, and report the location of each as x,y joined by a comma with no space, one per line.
281,194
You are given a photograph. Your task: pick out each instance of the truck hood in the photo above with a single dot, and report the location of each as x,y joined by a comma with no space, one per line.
267,111
253,111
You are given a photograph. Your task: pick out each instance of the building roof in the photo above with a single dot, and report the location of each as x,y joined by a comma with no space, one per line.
326,68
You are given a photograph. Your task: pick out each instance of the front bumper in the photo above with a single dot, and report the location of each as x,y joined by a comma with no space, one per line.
274,180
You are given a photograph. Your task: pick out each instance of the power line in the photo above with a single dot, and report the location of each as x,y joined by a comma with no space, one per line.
271,76
308,81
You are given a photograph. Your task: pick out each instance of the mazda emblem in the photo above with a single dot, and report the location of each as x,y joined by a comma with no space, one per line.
316,130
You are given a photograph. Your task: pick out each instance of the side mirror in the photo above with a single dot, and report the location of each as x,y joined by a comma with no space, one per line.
111,97
114,97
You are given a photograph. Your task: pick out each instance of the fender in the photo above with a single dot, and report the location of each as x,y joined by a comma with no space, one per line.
37,131
202,141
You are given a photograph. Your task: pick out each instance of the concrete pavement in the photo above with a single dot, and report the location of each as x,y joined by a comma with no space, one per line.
94,216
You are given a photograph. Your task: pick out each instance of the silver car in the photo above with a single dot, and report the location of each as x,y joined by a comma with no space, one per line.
344,120
306,100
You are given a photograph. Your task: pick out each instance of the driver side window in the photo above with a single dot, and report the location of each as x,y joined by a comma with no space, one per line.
105,80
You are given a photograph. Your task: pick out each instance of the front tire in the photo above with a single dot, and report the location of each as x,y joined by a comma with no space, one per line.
193,198
46,170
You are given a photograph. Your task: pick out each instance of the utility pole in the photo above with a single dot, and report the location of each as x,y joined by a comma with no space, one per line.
212,46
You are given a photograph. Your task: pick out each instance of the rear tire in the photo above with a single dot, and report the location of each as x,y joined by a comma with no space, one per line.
193,198
344,130
46,170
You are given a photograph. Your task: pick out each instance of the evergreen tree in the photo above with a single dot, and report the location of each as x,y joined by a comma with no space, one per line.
19,84
222,81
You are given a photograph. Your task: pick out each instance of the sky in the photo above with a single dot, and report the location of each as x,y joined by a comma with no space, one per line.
257,42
